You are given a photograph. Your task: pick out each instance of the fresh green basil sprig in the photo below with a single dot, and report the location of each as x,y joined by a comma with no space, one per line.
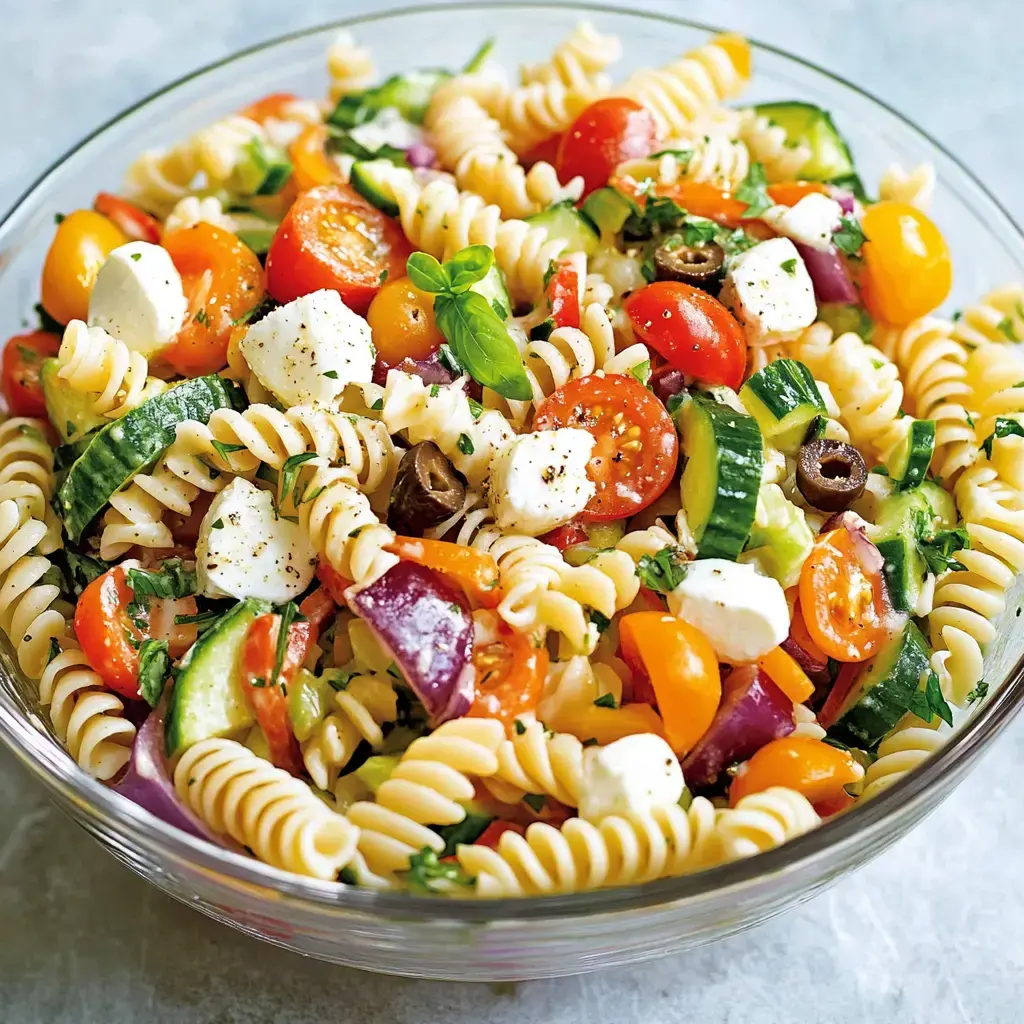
477,335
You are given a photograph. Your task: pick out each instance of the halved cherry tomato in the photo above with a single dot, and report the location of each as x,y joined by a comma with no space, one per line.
567,536
223,281
272,106
490,835
843,603
682,668
334,583
606,725
543,152
510,677
310,164
787,675
333,238
842,801
135,223
476,571
845,681
908,271
696,197
563,293
22,360
83,241
401,320
815,769
789,193
798,631
637,447
691,329
602,137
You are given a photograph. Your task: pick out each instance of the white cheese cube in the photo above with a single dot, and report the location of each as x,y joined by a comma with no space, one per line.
307,351
388,128
633,775
138,297
742,613
246,550
768,289
811,221
539,481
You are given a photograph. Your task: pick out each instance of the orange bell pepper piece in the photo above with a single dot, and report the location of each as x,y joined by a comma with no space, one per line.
786,674
475,570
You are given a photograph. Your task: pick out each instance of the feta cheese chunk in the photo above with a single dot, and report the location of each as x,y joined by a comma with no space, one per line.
811,221
138,297
245,550
388,128
307,351
768,289
633,775
742,613
539,481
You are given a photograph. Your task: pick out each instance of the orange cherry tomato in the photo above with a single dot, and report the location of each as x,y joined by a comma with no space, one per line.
563,294
842,801
476,571
510,677
19,380
333,238
334,583
606,725
83,241
275,105
223,281
602,137
135,223
789,193
696,197
843,603
310,164
637,446
817,770
907,267
691,329
682,668
401,320
787,675
490,835
109,638
798,631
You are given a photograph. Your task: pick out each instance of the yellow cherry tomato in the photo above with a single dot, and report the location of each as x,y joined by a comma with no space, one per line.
401,319
907,266
83,241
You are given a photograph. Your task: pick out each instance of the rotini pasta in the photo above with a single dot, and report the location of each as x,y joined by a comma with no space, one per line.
26,474
349,65
906,747
761,821
768,145
577,60
914,187
534,761
716,159
998,317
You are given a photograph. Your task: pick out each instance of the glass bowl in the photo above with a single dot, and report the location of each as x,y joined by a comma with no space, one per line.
509,939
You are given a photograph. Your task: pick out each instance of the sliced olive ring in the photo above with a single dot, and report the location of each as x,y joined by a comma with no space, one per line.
831,475
700,266
427,491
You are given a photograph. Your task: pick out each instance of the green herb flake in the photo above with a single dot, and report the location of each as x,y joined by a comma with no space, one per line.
1005,426
465,444
475,408
641,372
330,374
202,318
606,700
383,275
929,702
136,256
520,727
664,571
378,405
428,874
753,191
788,267
435,390
980,692
1006,328
535,801
54,650
850,237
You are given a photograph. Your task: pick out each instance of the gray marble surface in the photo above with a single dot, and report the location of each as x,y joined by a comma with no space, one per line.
931,932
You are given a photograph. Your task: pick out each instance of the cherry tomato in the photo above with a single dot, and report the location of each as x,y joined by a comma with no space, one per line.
476,571
637,448
83,241
843,602
334,583
567,536
22,361
815,769
563,293
401,320
606,725
490,835
696,197
135,223
310,164
223,281
691,329
510,677
789,193
682,668
602,137
333,238
275,105
544,152
908,271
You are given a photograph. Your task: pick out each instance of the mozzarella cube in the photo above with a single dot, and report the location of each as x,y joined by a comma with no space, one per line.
768,289
634,775
539,481
811,221
246,550
388,128
309,350
138,297
742,613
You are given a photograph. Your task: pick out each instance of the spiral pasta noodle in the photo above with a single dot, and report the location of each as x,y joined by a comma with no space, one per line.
537,762
914,187
768,145
762,821
713,158
577,60
998,317
572,686
534,112
906,747
26,475
349,65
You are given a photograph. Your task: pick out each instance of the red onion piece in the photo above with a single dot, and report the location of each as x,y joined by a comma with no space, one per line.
420,155
753,712
829,274
667,381
868,555
424,623
847,200
816,668
431,370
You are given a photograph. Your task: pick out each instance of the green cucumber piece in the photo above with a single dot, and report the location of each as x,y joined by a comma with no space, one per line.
207,699
309,699
263,170
883,690
909,464
409,94
563,220
495,291
780,538
69,411
608,210
720,484
784,399
376,770
368,178
125,446
810,125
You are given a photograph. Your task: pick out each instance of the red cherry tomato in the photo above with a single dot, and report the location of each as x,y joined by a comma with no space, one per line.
563,294
602,137
22,360
333,238
135,223
637,448
546,152
567,536
691,329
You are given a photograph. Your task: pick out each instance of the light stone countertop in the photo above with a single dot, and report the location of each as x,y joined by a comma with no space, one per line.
933,931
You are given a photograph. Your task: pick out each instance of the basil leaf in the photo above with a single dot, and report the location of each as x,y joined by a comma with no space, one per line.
289,475
426,273
468,266
173,581
662,572
154,667
78,570
482,344
753,191
1004,427
850,236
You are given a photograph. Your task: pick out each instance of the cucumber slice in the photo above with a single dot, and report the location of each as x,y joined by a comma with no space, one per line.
909,464
69,411
376,770
369,180
725,455
784,399
495,291
884,689
122,448
608,210
309,699
563,220
409,94
263,170
207,699
780,539
808,124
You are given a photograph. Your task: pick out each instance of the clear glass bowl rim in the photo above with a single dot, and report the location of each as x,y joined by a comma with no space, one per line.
51,764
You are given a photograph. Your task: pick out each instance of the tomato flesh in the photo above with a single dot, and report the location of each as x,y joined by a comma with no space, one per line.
19,380
401,320
510,677
563,294
476,571
135,223
109,638
274,105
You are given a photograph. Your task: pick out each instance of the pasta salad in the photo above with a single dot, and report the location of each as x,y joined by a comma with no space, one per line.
490,486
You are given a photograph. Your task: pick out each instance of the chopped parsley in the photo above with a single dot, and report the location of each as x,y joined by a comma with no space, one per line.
136,256
980,692
330,374
217,524
753,191
520,727
641,372
1004,427
788,266
202,317
938,548
850,237
465,444
664,571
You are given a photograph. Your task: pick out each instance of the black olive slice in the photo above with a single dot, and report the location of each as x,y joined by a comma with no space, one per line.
427,490
831,475
699,266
